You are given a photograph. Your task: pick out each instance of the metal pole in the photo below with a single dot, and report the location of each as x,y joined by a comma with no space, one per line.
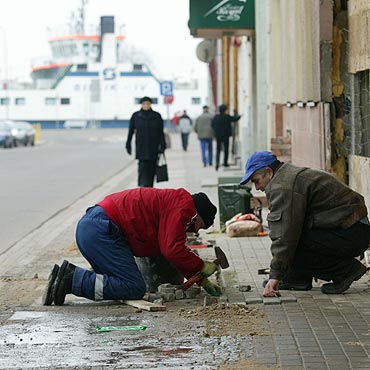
168,115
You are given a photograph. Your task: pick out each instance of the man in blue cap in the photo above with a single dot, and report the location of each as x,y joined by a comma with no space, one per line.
318,226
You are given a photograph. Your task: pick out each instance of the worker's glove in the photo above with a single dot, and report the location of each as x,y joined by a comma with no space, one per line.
208,269
128,149
211,288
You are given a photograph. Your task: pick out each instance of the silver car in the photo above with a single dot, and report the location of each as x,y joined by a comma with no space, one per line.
22,132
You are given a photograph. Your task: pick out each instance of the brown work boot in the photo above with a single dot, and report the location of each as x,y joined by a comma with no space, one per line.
337,287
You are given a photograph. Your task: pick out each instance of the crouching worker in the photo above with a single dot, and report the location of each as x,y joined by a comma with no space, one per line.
136,222
317,224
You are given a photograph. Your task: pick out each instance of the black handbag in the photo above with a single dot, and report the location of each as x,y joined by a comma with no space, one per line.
162,170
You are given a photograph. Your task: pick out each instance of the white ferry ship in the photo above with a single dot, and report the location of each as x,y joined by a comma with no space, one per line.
87,83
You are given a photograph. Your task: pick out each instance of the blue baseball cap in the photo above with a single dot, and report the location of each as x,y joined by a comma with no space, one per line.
255,162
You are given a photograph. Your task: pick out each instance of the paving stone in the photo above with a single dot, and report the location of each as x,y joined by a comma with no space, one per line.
271,301
287,299
209,300
253,300
179,294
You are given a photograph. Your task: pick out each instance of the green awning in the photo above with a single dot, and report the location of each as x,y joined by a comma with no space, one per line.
219,15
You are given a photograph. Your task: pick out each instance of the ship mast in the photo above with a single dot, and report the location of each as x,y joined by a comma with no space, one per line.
77,19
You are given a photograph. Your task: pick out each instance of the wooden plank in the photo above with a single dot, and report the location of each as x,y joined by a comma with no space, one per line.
145,305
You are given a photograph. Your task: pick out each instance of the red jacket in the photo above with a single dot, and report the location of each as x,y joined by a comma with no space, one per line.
155,221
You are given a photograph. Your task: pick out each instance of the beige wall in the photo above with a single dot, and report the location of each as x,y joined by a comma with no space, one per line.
307,128
359,179
359,35
295,50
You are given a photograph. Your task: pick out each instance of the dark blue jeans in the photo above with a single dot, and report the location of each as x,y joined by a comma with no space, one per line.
115,274
185,140
206,146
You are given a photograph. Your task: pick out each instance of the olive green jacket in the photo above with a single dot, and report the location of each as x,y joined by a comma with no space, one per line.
301,198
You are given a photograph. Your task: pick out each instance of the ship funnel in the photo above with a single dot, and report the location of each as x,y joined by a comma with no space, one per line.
107,40
107,24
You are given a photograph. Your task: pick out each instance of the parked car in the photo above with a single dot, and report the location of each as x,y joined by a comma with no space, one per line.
25,133
22,132
6,138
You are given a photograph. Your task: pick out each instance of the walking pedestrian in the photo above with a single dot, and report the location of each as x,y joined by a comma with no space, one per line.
203,127
136,222
221,124
185,125
318,226
147,125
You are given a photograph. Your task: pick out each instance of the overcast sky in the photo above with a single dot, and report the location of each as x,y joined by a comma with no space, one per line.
157,27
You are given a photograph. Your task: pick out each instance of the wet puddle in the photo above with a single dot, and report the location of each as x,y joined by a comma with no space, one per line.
58,339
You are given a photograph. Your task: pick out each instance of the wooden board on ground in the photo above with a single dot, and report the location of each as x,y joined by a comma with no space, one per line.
145,305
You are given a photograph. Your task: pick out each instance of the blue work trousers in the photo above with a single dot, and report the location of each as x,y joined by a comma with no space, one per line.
115,274
206,146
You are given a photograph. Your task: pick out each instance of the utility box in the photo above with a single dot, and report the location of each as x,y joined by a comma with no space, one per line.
233,198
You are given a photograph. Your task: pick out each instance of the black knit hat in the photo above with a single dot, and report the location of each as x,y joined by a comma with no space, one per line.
205,208
146,98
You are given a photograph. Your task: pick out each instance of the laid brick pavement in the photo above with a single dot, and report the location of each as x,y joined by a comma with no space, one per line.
310,330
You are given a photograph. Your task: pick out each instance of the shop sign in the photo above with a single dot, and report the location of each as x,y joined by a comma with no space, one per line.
231,14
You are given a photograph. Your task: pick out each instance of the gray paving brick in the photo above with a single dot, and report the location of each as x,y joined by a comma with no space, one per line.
309,330
256,300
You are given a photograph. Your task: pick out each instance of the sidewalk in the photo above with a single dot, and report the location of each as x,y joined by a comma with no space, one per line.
310,330
300,330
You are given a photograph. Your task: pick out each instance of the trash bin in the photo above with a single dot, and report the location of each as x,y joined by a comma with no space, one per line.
233,199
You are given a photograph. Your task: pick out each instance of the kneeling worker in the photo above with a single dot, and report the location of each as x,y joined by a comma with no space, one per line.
136,222
317,224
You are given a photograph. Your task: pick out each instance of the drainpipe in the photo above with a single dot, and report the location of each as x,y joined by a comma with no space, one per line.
235,146
225,70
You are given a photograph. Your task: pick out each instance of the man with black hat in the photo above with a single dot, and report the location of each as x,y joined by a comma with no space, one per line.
318,225
139,222
204,130
147,125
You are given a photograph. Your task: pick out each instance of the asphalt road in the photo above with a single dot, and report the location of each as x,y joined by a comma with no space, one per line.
37,182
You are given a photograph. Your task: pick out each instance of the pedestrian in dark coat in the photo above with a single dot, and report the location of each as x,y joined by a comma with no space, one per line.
149,142
135,222
221,124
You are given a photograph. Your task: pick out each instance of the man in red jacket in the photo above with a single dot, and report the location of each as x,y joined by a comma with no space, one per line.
140,222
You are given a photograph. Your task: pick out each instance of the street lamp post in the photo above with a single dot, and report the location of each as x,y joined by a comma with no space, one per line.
5,67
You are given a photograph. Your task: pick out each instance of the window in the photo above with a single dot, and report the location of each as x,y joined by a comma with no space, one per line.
50,101
82,67
65,101
4,101
20,101
138,67
195,100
